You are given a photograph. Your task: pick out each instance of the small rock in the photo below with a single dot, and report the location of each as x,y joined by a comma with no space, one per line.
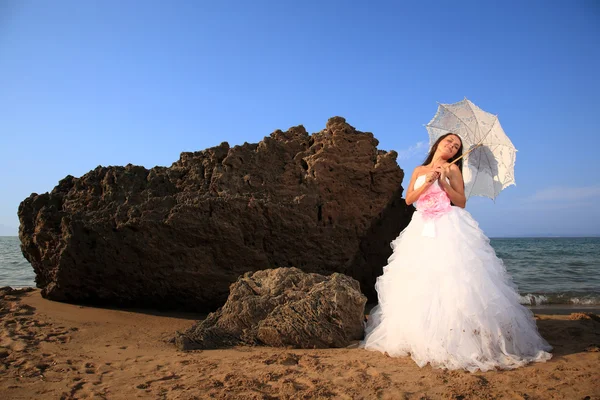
283,307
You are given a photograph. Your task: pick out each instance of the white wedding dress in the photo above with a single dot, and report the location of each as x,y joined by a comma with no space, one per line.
447,300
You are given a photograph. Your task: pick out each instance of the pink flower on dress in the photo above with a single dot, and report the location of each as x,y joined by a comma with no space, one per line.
434,202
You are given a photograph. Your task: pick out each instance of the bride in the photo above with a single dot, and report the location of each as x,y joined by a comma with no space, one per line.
444,297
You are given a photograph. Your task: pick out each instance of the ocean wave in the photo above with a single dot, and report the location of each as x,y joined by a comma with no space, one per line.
536,299
578,264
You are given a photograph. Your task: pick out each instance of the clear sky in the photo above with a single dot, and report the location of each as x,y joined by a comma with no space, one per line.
88,83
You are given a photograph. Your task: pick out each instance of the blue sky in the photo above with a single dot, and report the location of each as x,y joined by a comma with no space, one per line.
88,83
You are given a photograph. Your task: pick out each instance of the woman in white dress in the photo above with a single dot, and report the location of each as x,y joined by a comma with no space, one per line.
444,297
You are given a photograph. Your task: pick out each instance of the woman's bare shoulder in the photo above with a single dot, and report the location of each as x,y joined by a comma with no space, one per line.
454,168
419,169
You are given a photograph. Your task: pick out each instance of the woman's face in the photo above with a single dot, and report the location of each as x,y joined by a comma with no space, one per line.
449,146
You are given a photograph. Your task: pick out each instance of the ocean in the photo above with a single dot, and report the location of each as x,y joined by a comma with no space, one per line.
546,270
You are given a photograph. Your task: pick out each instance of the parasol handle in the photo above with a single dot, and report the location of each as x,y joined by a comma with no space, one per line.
470,150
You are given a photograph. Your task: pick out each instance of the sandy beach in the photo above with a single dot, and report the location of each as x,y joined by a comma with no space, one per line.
54,350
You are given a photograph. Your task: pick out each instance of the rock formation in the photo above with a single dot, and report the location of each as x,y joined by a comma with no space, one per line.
177,237
283,307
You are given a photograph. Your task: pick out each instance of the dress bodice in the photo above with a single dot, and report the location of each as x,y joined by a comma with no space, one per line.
434,201
421,180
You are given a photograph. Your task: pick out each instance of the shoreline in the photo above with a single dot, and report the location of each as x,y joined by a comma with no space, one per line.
563,309
59,350
537,236
553,308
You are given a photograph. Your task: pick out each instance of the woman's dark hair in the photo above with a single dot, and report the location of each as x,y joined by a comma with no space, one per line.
459,163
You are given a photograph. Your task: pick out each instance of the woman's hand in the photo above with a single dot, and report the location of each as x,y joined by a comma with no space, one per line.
432,176
443,171
455,188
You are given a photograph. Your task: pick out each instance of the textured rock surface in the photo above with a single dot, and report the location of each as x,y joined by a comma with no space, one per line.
283,307
177,237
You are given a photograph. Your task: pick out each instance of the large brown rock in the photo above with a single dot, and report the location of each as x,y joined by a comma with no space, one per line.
283,307
177,237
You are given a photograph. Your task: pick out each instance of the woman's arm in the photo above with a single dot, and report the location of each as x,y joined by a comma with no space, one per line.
413,194
456,187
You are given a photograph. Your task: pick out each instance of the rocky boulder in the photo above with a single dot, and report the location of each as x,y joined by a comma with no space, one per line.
283,307
178,236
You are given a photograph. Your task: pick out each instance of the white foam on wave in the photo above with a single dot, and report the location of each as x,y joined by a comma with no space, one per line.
533,299
585,302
